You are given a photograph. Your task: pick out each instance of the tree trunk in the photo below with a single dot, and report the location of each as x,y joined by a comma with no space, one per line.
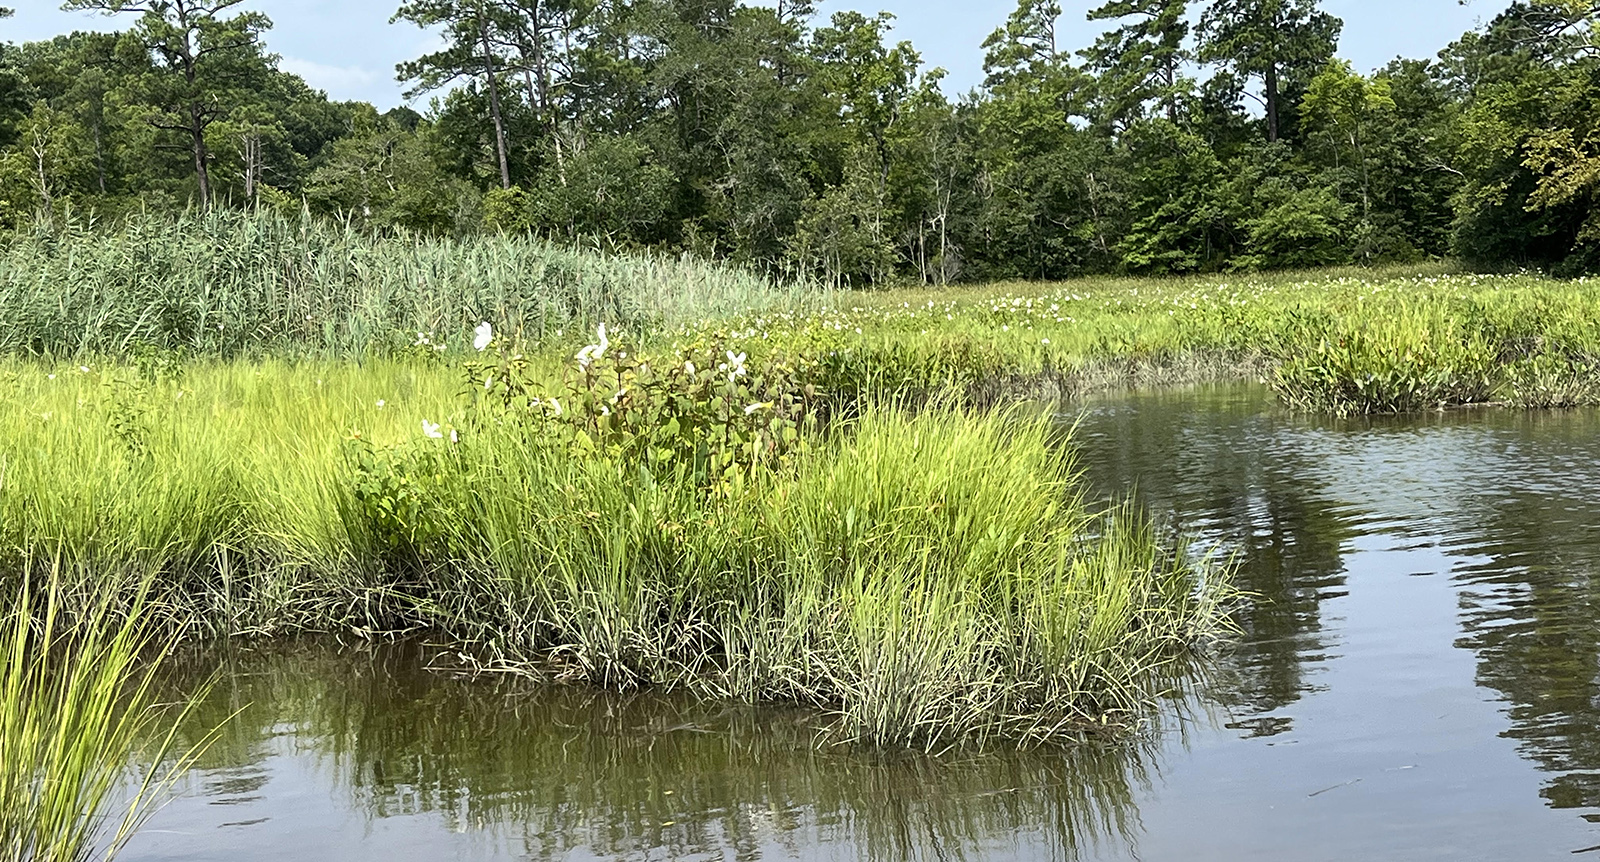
197,135
197,115
1172,89
540,64
41,156
944,238
494,100
252,164
1271,86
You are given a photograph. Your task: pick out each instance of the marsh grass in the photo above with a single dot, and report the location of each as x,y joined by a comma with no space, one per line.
932,577
929,576
1381,341
77,709
1385,340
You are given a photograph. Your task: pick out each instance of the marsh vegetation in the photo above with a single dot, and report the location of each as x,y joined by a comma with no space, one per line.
693,367
752,493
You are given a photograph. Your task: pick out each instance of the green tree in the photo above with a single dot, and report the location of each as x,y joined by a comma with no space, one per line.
195,67
840,236
473,34
1345,113
39,173
1177,212
871,84
1051,194
933,173
613,191
1527,93
1270,40
81,76
1289,217
1026,44
388,172
1141,61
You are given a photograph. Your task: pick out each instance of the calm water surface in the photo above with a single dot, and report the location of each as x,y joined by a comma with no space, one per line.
1419,679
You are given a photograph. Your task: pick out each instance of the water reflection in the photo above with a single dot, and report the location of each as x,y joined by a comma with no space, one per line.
1512,497
535,772
1224,466
1418,678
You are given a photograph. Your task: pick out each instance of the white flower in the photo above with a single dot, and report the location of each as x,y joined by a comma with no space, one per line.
594,352
431,429
556,407
482,336
52,377
736,364
84,369
688,368
755,407
381,403
421,340
453,437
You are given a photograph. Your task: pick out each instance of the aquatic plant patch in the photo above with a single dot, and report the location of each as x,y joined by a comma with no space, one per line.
927,577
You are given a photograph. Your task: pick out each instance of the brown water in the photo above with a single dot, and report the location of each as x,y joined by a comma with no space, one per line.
1419,679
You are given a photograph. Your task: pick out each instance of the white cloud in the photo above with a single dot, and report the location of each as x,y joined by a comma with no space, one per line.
340,82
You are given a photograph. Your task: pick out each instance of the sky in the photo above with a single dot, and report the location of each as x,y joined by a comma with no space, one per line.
349,49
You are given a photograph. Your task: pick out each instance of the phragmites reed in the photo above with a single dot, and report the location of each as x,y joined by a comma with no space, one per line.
231,283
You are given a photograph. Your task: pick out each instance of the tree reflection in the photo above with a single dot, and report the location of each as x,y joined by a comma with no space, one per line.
1530,592
1222,466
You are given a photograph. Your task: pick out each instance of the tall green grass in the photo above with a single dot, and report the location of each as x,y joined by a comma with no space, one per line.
228,283
77,703
930,577
263,285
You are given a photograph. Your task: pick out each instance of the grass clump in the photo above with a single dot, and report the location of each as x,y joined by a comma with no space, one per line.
930,577
77,703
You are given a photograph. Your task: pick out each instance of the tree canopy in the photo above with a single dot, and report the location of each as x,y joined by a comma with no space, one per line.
1194,135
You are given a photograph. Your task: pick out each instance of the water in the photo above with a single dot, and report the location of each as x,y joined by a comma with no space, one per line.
1419,679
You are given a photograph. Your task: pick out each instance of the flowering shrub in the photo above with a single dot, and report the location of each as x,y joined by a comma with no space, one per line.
423,347
709,410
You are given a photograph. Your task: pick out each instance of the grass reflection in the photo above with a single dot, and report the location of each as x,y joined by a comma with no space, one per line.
553,770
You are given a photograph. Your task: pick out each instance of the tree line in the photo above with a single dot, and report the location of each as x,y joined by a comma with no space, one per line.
1188,138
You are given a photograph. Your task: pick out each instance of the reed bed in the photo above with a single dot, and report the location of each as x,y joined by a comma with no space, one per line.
231,283
263,285
930,578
